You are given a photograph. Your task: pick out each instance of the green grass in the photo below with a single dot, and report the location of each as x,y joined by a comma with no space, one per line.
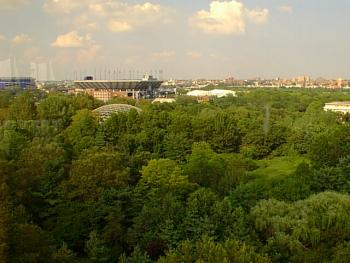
277,167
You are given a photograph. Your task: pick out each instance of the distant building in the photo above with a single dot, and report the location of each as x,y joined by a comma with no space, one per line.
222,93
198,93
229,80
211,93
170,82
340,83
338,106
23,83
163,100
302,79
105,90
10,77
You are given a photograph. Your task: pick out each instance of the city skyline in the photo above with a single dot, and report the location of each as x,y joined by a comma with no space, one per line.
212,39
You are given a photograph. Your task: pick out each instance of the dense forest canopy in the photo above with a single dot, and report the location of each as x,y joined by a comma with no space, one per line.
262,177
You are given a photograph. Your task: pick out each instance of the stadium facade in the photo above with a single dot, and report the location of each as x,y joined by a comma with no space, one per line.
17,82
105,90
10,76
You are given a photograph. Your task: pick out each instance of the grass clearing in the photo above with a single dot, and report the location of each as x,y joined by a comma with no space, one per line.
278,167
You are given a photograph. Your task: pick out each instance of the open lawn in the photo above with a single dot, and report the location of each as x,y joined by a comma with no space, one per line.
278,167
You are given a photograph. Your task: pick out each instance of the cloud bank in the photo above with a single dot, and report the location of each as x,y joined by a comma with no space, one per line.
116,16
286,9
22,39
72,40
12,4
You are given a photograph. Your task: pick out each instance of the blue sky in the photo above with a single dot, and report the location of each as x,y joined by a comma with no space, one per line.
187,39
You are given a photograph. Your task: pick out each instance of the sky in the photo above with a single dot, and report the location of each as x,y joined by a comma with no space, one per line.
183,38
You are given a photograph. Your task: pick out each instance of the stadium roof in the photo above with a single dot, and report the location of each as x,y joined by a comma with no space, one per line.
23,82
108,110
118,84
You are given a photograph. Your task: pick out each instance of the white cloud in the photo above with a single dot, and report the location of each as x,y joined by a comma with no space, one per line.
32,53
119,26
10,4
2,38
124,17
115,16
88,54
22,39
286,9
84,22
146,7
222,18
258,16
194,54
164,54
97,8
81,49
80,57
72,40
227,17
62,6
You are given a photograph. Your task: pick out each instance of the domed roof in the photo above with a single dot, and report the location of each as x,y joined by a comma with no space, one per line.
107,110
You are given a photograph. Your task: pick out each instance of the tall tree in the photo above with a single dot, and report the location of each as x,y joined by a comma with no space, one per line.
93,173
23,107
81,133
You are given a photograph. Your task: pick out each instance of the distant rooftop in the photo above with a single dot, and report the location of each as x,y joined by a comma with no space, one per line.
144,78
215,93
147,82
338,103
23,82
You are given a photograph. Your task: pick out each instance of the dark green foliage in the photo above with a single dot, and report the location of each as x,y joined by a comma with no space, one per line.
219,129
29,243
94,172
72,222
5,208
329,147
81,133
292,230
95,249
208,251
220,172
23,107
342,253
204,166
236,179
136,257
64,255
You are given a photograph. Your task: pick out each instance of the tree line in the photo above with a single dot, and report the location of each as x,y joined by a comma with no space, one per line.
262,177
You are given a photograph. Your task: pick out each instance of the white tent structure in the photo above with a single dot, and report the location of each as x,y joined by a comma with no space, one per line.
222,93
198,93
211,93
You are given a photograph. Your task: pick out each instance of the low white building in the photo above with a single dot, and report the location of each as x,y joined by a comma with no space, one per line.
222,93
163,100
198,93
211,93
338,106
